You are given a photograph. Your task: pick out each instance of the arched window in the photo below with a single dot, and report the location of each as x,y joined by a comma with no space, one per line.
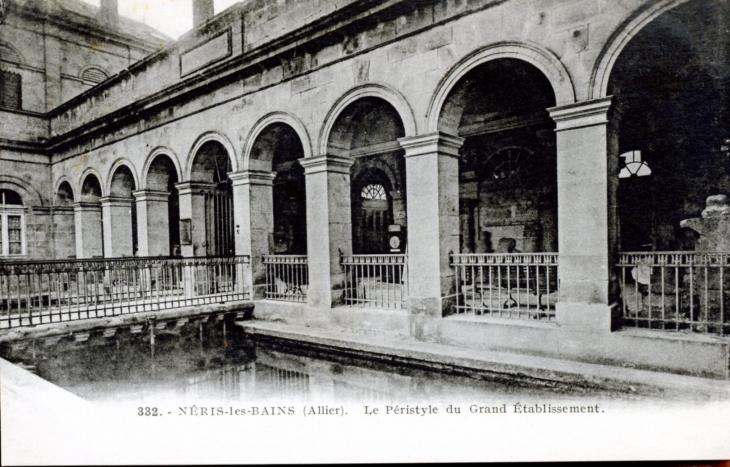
510,163
94,75
11,95
12,224
376,192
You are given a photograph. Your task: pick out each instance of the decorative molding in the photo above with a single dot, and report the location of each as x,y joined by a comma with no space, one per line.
581,114
327,163
435,143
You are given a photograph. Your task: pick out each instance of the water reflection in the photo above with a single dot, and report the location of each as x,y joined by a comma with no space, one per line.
209,361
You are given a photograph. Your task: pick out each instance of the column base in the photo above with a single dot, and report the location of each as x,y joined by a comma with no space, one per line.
587,317
324,298
437,307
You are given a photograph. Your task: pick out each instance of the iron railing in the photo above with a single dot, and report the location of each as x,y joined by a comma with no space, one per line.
507,285
33,293
676,291
376,281
287,278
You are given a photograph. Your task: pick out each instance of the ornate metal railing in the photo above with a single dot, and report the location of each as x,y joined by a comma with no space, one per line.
33,293
376,281
507,285
287,278
676,291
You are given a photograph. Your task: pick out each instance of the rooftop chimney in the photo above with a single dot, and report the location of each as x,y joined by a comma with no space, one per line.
109,11
203,10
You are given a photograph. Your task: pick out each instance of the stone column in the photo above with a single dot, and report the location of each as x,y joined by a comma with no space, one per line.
117,219
64,235
153,222
253,213
89,241
432,189
192,206
329,226
587,222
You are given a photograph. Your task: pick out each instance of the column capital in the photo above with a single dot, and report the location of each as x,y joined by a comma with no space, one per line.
151,195
116,201
441,143
86,206
190,188
327,163
252,177
581,114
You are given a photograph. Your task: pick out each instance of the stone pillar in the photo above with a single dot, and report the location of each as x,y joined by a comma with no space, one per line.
64,232
432,189
192,206
153,222
253,213
329,226
117,218
587,222
89,241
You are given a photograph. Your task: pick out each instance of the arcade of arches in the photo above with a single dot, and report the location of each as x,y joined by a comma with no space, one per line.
510,158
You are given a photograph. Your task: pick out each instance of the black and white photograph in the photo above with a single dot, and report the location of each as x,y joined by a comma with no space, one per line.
346,231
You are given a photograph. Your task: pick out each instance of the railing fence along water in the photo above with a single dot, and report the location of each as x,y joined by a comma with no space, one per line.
287,277
676,291
376,281
34,293
507,285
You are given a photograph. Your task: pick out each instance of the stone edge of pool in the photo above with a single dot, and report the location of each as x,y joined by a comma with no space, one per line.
489,362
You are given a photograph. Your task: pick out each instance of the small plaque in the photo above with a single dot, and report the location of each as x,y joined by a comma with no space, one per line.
186,232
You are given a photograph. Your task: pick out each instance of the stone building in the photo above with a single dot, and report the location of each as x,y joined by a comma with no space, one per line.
419,157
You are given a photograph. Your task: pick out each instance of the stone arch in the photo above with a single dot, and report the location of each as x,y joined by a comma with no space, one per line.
159,151
392,97
360,170
65,183
31,196
206,138
546,62
598,86
116,166
264,122
82,184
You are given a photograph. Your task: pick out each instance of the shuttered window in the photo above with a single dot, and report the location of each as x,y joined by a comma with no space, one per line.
11,96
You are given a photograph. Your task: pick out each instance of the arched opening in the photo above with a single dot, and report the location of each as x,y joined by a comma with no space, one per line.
12,224
64,228
368,131
279,148
210,168
161,178
89,220
508,164
122,186
90,189
64,195
671,114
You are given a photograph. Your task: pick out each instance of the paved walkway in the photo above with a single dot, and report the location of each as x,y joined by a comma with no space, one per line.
504,363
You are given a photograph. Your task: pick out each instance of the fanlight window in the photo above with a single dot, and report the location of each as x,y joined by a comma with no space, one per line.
94,75
634,165
376,192
509,163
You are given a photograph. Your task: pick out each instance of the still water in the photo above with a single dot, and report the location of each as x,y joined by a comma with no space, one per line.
211,361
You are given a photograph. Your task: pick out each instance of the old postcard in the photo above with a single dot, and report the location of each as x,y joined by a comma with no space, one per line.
298,231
